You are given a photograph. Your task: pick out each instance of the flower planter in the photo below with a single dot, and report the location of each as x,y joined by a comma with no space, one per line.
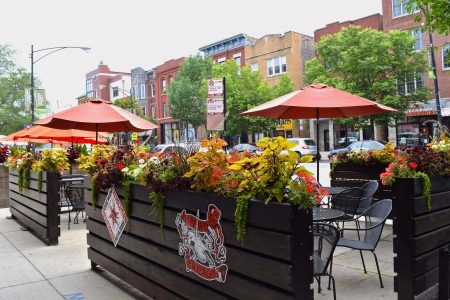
38,211
273,262
419,234
4,187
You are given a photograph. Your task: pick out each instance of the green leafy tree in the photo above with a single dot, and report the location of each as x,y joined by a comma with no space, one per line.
13,82
435,14
371,64
130,104
187,102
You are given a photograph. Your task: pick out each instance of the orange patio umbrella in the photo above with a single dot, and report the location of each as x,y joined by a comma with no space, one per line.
68,135
317,101
97,115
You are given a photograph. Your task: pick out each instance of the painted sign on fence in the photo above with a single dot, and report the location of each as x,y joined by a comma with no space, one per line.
114,216
202,244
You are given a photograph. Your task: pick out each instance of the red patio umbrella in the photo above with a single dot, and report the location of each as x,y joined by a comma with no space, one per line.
97,115
317,101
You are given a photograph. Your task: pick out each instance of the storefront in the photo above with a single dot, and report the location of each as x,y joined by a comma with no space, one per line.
284,128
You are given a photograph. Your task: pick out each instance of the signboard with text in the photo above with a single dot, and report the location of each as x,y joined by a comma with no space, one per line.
215,105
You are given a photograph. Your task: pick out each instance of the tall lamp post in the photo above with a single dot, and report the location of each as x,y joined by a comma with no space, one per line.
33,61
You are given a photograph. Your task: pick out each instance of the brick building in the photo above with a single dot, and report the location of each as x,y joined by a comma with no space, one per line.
108,85
276,54
420,118
229,48
169,129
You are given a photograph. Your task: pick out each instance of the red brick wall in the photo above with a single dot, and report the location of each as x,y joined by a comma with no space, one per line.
373,21
406,22
229,55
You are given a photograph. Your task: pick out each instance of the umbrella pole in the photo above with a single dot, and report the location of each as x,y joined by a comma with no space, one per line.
71,163
318,143
96,133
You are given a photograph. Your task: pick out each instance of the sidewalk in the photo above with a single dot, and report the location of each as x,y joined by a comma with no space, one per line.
29,269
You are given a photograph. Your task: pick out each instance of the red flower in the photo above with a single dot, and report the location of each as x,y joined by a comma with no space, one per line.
309,188
142,154
323,192
99,162
120,166
413,165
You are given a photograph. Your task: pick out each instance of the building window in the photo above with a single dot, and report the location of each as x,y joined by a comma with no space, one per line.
163,86
153,111
221,60
144,110
408,84
153,88
399,8
135,92
115,91
417,34
446,57
89,87
143,94
276,65
237,59
254,67
164,108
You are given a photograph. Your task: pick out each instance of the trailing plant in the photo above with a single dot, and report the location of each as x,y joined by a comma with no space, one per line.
39,183
94,194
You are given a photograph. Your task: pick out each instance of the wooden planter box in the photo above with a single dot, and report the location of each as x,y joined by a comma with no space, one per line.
419,234
274,261
354,175
4,187
38,212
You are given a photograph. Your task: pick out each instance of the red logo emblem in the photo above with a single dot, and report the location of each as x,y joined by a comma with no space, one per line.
202,244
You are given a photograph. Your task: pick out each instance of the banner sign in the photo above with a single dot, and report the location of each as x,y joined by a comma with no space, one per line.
284,124
202,244
114,216
215,105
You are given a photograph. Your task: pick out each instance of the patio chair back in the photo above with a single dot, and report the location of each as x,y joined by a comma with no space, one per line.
326,237
75,195
375,217
347,201
368,191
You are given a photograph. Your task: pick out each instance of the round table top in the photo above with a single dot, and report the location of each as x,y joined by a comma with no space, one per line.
334,190
322,214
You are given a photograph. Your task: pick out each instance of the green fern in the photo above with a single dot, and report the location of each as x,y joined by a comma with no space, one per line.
39,183
241,215
158,207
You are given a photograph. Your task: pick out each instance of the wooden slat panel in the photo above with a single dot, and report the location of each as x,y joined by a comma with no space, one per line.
35,216
29,193
233,286
33,174
29,223
438,201
33,183
425,281
431,221
431,240
140,282
260,268
35,205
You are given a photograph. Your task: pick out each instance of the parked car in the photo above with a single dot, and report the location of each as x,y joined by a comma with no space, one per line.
245,147
168,148
368,145
303,146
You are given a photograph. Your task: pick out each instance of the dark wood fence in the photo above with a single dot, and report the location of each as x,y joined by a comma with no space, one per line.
274,261
37,211
355,175
419,233
4,187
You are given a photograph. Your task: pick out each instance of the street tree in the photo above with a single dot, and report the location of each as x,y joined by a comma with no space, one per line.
435,14
130,104
14,80
187,102
379,66
245,89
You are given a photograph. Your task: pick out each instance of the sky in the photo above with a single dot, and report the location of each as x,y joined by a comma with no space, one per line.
138,33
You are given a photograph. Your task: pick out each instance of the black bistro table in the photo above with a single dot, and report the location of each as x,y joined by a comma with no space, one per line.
334,190
324,214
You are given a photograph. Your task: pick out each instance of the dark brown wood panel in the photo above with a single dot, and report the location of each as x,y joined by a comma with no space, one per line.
33,183
29,193
31,203
35,216
29,223
431,221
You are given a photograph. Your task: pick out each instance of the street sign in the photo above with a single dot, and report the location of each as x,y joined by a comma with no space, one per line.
134,136
114,216
215,119
215,87
215,106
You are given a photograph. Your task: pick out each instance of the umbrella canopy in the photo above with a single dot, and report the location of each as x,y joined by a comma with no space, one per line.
58,134
97,115
317,101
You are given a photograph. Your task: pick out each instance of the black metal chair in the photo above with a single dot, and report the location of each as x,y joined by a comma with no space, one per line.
75,195
348,201
326,237
368,191
375,218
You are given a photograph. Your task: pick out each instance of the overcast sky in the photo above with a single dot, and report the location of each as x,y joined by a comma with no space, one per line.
128,34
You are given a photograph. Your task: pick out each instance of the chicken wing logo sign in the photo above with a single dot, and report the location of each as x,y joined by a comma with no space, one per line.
114,216
202,244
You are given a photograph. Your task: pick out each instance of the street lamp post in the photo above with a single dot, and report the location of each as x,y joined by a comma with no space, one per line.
435,80
33,61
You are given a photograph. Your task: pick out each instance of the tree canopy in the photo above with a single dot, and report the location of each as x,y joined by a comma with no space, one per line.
436,14
245,89
185,94
13,82
378,66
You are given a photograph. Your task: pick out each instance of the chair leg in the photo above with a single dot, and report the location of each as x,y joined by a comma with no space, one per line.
362,258
319,281
378,268
334,286
68,226
331,270
357,227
